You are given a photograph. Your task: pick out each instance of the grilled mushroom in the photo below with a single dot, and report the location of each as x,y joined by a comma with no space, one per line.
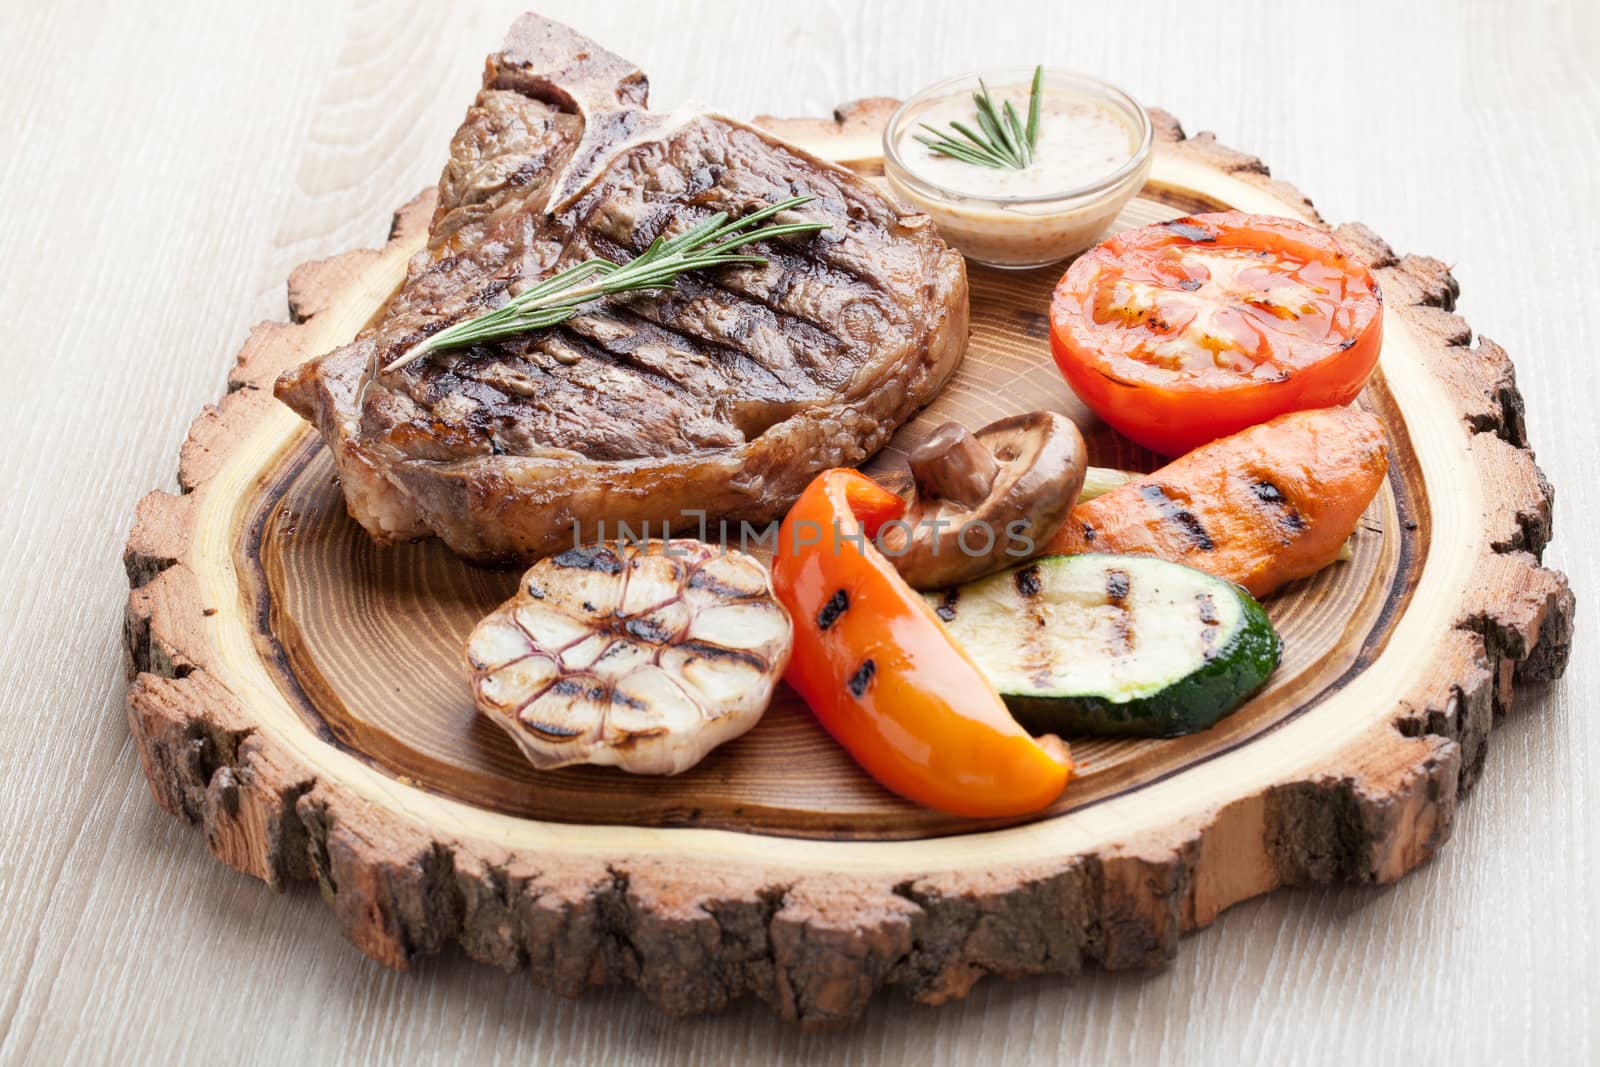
979,501
643,656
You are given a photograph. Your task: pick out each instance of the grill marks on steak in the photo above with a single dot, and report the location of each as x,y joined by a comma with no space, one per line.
693,363
726,393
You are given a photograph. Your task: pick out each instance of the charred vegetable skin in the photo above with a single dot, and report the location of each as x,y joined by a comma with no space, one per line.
1262,508
884,677
640,655
1114,645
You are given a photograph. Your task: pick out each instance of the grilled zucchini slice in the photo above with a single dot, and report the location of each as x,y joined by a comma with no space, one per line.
1116,645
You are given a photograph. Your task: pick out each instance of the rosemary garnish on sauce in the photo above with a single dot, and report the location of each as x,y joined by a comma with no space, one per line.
1001,139
713,242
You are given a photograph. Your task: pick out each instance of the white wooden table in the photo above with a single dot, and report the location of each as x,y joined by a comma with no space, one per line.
169,162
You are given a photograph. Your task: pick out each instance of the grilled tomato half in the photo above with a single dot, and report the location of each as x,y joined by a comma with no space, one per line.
1185,331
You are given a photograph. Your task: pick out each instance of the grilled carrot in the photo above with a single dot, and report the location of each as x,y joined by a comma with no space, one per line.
1263,507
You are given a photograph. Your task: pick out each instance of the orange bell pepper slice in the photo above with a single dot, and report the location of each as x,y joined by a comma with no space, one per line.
882,674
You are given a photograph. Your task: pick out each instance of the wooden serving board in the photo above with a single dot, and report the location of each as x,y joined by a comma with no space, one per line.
301,694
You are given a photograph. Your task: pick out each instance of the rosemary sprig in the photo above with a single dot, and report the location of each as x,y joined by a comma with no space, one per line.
1001,140
713,242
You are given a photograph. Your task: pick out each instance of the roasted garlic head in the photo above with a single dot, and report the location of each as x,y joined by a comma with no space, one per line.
639,655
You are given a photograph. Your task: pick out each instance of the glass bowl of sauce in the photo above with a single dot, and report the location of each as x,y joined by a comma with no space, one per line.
1092,155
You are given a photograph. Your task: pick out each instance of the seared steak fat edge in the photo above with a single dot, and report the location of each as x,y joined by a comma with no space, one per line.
723,396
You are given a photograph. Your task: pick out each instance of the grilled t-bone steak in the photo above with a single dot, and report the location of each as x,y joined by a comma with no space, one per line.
724,395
